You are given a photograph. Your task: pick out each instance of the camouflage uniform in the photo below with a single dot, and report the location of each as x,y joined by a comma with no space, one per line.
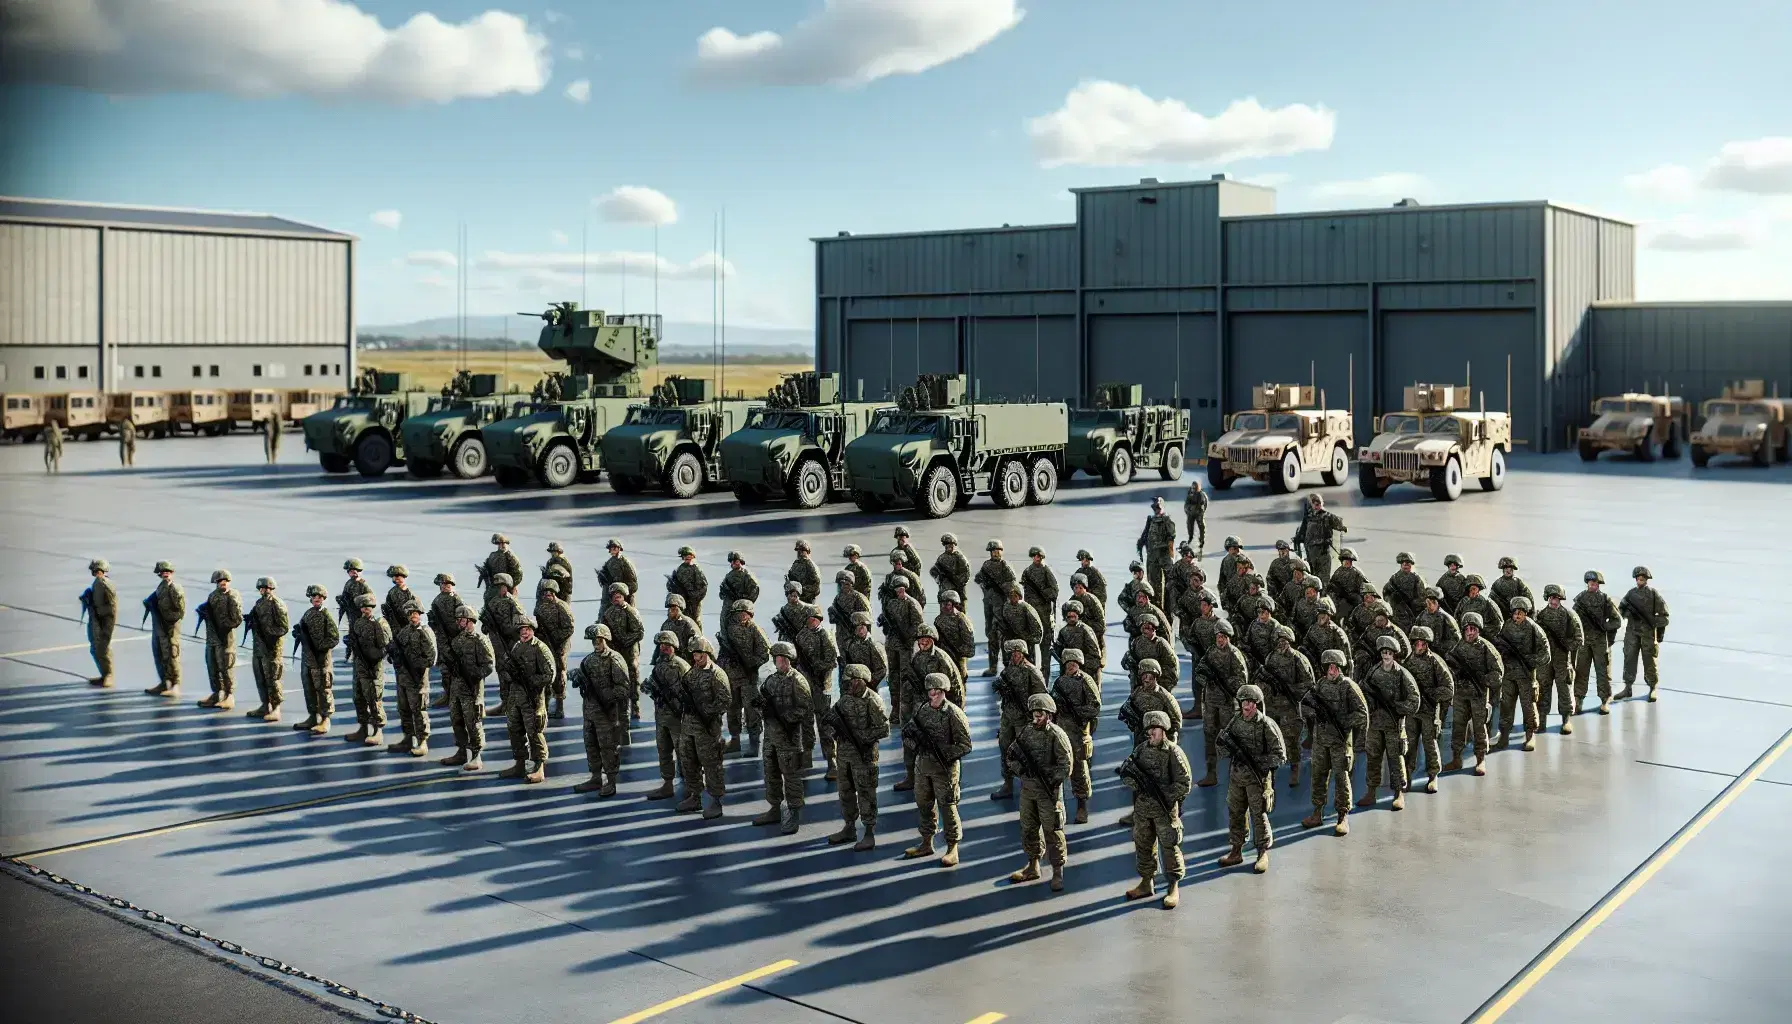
940,737
1437,687
1077,635
1157,827
792,615
858,577
681,625
1508,585
1178,580
901,619
626,633
784,701
1197,639
531,672
689,582
1017,620
416,654
603,681
1393,696
817,658
995,577
1326,635
101,602
663,686
1345,585
859,720
1255,748
1281,570
1151,644
500,621
1014,687
1287,675
127,442
1480,604
1039,589
223,613
957,638
1646,617
1318,532
899,570
738,585
1523,647
951,570
1040,755
1222,672
1145,698
557,560
1157,542
619,568
554,627
317,637
269,625
1599,621
866,651
1228,564
446,626
1478,669
1562,627
804,573
1078,697
1333,734
470,660
706,697
1194,510
1405,594
911,559
503,560
744,650
1260,637
1366,650
398,598
1445,631
911,691
1098,584
1453,584
847,602
367,640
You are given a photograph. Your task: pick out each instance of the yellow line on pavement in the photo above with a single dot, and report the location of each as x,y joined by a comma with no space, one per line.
67,647
704,993
1518,987
988,1018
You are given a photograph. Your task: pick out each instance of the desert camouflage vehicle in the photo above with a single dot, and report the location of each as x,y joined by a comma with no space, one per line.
1122,434
1279,439
1636,423
25,417
452,436
148,411
361,431
1744,421
1437,442
795,445
81,413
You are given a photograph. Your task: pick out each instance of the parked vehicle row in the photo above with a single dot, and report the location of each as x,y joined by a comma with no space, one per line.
86,415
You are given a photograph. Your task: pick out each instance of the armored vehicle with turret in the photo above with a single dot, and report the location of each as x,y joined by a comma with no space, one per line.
1281,438
558,440
674,440
452,437
1437,442
939,448
1744,421
1122,434
363,429
1636,423
794,445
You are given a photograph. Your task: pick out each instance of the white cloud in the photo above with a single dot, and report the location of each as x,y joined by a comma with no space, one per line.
558,237
633,264
636,204
1758,167
329,49
1395,185
579,91
387,218
1669,182
1105,124
432,258
854,42
1702,234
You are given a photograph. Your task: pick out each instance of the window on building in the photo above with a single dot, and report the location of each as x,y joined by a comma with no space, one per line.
62,373
37,372
255,370
155,371
338,369
198,371
81,372
214,369
136,371
307,369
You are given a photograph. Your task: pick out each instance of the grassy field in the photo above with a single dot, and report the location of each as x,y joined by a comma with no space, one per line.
433,369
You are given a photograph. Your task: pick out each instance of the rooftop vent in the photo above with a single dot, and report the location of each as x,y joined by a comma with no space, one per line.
1407,202
1147,181
844,234
1218,177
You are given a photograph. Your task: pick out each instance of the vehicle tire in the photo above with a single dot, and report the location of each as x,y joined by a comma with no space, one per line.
1369,482
1286,477
333,463
1764,452
1042,481
1670,448
1496,471
1119,470
1700,457
1588,453
373,455
1645,449
510,476
623,483
1784,454
964,498
1446,480
469,460
809,485
1009,488
423,469
747,494
1171,469
1216,475
1340,467
869,502
939,492
559,467
684,477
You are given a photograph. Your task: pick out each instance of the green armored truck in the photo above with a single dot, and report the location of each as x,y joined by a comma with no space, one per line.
795,445
558,440
674,440
939,449
362,430
452,436
1122,434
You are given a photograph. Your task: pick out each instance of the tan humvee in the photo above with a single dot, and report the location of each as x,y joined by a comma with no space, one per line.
1744,421
1636,423
24,417
1281,438
1437,442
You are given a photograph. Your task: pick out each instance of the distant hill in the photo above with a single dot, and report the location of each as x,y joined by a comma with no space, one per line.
524,329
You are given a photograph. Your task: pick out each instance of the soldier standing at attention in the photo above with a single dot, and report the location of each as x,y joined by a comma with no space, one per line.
1039,588
445,625
995,577
269,625
502,622
101,602
818,659
1097,583
1322,530
901,619
743,650
554,626
1078,697
928,658
1523,647
951,570
1288,675
940,736
788,621
1157,544
1474,600
663,686
1562,627
1194,509
270,438
857,576
1437,687
1076,635
348,603
1019,681
1091,611
849,600
469,661
859,721
1281,569
689,582
1445,632
784,702
53,448
603,683
1146,697
1018,621
557,560
899,568
1040,755
1478,670
1303,611
1326,635
618,569
1599,627
1393,696
679,624
1405,592
1510,585
316,638
911,559
1197,639
804,573
398,598
416,653
1345,585
531,672
626,633
956,637
1177,581
1646,617
1158,774
1453,584
501,561
738,585
222,612
367,640
1379,628
1229,562
127,442
1149,644
862,649
1335,710
1254,749
1222,672
705,697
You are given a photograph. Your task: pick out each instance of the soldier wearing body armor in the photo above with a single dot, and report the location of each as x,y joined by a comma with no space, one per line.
502,622
1149,644
502,560
995,577
901,619
1393,697
468,661
1337,712
899,570
100,603
1159,776
1345,585
664,686
1194,510
222,614
951,570
1281,568
862,649
1479,675
619,570
414,654
1077,635
857,576
940,736
1326,635
1599,622
1039,589
531,674
956,638
1222,672
1017,620
268,625
787,708
690,582
803,572
603,682
1556,676
554,625
743,650
1286,676
928,659
1317,535
848,601
316,637
1157,544
1446,633
1405,592
1078,698
1093,578
704,698
626,633
679,623
1645,614
367,640
1019,681
560,567
1475,599
1255,748
446,627
738,585
1523,647
1040,755
1509,585
818,658
859,720
1437,687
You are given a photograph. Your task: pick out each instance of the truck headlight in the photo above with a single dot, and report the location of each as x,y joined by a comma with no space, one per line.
1365,455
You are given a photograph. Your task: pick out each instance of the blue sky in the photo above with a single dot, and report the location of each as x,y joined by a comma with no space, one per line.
1622,107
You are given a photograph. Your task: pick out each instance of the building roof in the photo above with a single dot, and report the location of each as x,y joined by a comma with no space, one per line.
60,211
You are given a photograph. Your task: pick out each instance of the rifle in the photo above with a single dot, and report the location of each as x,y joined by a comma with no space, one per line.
1509,652
298,638
1325,709
86,603
1646,616
1373,692
838,721
149,605
200,616
672,701
485,575
1030,766
341,606
1237,751
1132,769
1276,682
923,739
1131,717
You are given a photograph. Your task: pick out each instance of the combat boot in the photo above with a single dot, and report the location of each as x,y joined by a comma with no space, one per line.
358,735
1030,873
260,710
1342,828
1454,764
1082,811
770,816
733,746
374,737
474,762
693,801
793,820
1605,707
712,808
515,771
1502,741
403,746
558,710
1173,896
1652,697
906,783
950,860
1431,784
1312,820
1212,778
833,773
104,682
1530,742
226,702
419,747
537,771
1480,765
1125,820
1368,798
163,690
591,785
455,760
1262,865
1399,803
924,848
753,744
609,789
1294,774
322,728
272,715
1057,878
1232,858
1143,891
663,793
209,702
1004,791
1623,694
310,720
867,842
1192,715
1567,727
848,833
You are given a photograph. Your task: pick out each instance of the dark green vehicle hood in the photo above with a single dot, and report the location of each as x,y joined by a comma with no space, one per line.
639,449
748,453
334,431
1091,442
888,464
520,441
432,435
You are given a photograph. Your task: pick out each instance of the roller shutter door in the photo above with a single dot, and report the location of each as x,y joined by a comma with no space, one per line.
1020,357
1465,346
1301,348
1172,357
884,356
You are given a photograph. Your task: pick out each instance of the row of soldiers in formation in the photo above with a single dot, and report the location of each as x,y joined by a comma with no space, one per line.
1390,666
269,429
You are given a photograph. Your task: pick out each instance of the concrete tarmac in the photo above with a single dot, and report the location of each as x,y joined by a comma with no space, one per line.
464,898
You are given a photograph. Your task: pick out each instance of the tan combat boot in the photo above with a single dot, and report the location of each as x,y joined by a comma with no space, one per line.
1399,803
1652,697
1030,873
1082,811
1312,820
358,735
1143,890
1605,707
1232,858
848,833
1480,764
226,702
1342,828
1530,742
1262,865
665,791
1623,694
1174,896
950,860
102,681
1567,726
310,720
374,738
537,771
868,841
591,785
322,728
770,816
458,758
1431,784
1057,878
924,848
260,709
474,763
272,715
1454,764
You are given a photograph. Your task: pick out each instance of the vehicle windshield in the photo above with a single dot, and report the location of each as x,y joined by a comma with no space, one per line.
1410,423
1619,405
1096,417
895,421
1737,409
1266,421
650,416
362,402
777,419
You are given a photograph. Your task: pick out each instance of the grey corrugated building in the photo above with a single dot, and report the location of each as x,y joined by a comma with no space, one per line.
95,297
1199,290
1691,348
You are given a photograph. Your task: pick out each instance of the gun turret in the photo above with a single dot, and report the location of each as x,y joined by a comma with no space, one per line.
933,391
680,390
605,353
1118,396
805,388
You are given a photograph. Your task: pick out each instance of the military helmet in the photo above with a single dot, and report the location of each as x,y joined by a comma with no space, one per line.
1250,692
366,601
1421,633
1071,608
793,587
1225,628
1071,654
686,550
861,618
220,575
1434,594
1370,591
1387,643
1317,500
740,604
498,538
1300,564
784,649
554,548
1014,590
1381,611
675,601
1521,604
527,621
1135,566
597,631
1078,579
1156,720
900,531
1472,619
1333,657
619,588
1284,632
1282,545
1206,597
950,596
316,590
927,631
935,681
850,550
814,611
1404,558
1042,702
1453,559
465,612
1082,555
899,580
1149,620
948,538
613,543
844,577
1326,606
547,586
1553,590
1595,576
266,581
1149,667
1245,560
503,580
994,545
444,577
1347,554
1145,589
1641,572
1011,646
352,565
1266,605
1508,562
1475,579
1184,549
1035,552
858,672
395,571
802,545
99,565
898,556
735,556
411,607
700,645
1232,542
666,636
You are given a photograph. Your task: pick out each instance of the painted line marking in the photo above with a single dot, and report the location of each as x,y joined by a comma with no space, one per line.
255,812
705,992
1527,979
988,1018
68,647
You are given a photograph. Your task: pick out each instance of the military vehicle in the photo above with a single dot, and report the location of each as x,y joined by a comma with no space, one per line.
1122,434
674,440
204,411
25,417
795,445
559,440
249,408
1281,437
1436,442
1636,423
303,402
148,410
1744,421
452,436
362,430
938,450
81,413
